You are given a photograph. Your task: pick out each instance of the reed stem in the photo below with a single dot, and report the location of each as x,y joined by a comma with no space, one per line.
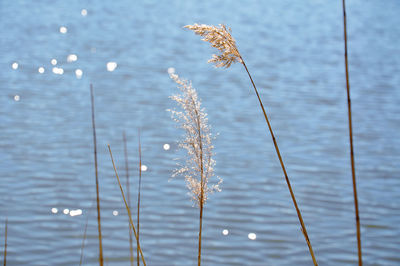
303,227
83,241
353,170
126,205
129,195
138,201
5,243
101,260
200,229
201,183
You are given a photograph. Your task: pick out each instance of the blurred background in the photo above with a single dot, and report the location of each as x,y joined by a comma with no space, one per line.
51,51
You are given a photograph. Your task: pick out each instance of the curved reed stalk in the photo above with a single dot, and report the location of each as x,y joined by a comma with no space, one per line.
353,170
101,259
221,38
129,196
126,205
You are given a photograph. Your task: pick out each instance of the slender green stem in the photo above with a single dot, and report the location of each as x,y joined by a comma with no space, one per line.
126,205
303,227
129,195
101,260
138,200
353,170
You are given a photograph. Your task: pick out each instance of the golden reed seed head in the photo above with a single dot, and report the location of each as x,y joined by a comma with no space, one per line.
220,38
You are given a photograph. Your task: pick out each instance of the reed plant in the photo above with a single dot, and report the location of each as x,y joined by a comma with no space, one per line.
128,195
221,38
101,260
126,206
199,166
353,170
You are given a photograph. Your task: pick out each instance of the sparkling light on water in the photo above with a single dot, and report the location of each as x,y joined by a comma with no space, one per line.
14,65
166,146
115,213
63,29
78,73
111,66
54,210
53,62
84,12
144,168
41,70
225,232
58,70
16,98
75,212
72,58
252,236
66,211
171,70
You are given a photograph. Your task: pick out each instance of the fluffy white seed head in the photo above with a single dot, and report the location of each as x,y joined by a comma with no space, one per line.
198,169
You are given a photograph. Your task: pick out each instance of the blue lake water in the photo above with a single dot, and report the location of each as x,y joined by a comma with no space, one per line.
294,51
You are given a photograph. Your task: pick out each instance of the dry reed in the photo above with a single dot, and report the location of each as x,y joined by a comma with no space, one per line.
83,240
221,38
5,242
199,166
138,200
85,232
126,206
128,195
101,260
353,171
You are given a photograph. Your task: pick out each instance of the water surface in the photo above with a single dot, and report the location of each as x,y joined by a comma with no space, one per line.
294,51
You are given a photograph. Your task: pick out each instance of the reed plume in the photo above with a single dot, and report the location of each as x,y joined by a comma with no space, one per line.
101,260
199,167
128,195
126,206
221,38
353,170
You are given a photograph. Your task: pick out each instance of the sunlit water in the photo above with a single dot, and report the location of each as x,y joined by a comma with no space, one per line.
51,52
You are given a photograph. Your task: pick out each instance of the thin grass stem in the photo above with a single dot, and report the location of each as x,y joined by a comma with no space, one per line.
303,227
85,232
129,196
138,201
83,240
353,170
200,231
101,260
201,183
126,205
